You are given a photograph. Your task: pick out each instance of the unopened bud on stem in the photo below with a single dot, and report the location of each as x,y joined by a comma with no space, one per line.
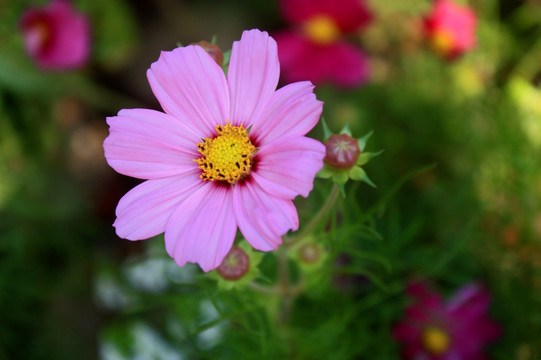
235,265
341,151
213,50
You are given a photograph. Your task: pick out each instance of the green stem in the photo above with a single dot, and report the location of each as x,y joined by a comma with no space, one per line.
264,289
283,284
318,218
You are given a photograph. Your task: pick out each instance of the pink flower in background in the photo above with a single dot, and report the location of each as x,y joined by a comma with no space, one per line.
434,329
450,29
227,152
315,48
56,36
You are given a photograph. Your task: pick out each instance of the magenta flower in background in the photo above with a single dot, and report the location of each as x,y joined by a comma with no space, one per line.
315,48
457,329
56,36
226,153
450,29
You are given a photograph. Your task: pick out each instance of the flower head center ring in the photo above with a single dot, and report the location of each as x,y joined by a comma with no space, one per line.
228,156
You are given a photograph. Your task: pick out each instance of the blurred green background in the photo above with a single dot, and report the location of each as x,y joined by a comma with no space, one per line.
71,289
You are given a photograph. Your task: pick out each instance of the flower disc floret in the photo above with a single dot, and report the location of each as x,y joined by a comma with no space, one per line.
435,340
228,156
322,29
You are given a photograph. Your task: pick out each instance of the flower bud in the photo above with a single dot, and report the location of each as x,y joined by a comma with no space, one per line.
309,253
213,50
341,151
235,265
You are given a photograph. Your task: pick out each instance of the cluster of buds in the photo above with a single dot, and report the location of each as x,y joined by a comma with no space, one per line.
345,156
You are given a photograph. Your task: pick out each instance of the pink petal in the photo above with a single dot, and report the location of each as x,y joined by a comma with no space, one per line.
340,63
349,15
144,211
470,302
405,332
424,294
287,167
471,338
262,218
253,74
203,228
190,86
291,111
148,144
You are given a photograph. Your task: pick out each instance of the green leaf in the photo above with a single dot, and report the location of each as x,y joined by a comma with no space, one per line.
372,256
369,233
387,196
368,274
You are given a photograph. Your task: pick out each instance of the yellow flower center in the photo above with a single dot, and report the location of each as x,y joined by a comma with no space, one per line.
442,42
321,29
228,156
435,340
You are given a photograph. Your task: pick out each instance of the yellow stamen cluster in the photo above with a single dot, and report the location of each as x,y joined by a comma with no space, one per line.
322,29
228,156
435,340
442,42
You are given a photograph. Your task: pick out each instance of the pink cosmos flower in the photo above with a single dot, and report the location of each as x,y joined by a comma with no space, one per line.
450,29
227,152
315,49
436,330
56,36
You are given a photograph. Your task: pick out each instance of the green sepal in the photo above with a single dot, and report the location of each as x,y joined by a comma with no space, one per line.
326,131
179,44
214,39
346,130
367,180
342,189
326,172
362,141
365,157
340,177
225,64
357,173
